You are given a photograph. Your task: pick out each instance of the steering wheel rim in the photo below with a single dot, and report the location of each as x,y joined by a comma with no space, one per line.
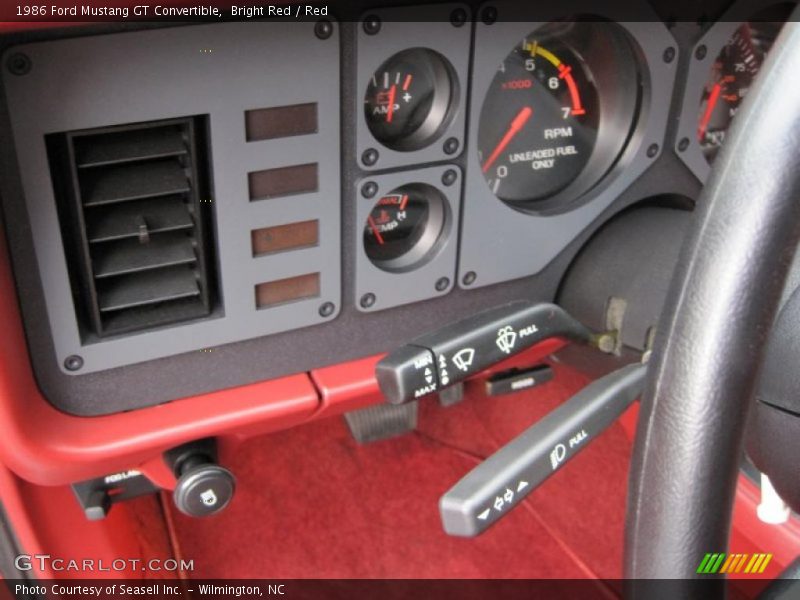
712,336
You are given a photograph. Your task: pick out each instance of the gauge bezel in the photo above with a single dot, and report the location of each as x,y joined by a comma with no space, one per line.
433,234
432,30
621,93
433,274
446,94
524,243
714,41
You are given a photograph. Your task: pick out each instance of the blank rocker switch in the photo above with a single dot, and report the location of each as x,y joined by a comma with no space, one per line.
517,380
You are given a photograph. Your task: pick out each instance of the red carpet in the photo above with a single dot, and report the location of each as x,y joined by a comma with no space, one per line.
313,503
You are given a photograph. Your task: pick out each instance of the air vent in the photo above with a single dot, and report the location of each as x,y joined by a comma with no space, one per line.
133,204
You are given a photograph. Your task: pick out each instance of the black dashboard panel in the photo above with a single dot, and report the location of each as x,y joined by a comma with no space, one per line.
327,288
133,82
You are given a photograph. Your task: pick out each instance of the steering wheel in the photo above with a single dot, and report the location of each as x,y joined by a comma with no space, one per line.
712,336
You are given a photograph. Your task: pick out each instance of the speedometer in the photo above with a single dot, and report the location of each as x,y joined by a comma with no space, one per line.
557,112
732,74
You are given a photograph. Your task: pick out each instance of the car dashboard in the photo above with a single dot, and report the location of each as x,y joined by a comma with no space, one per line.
195,211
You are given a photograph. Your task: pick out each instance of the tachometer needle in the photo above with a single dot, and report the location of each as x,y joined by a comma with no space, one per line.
712,102
390,112
375,230
516,125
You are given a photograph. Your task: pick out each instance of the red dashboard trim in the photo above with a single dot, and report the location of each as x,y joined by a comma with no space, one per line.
347,387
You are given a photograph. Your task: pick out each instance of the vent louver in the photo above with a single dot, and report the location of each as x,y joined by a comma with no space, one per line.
137,235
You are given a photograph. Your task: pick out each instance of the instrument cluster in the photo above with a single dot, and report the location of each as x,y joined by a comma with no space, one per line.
568,106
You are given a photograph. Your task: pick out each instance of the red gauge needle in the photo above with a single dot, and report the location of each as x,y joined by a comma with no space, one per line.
516,125
390,112
374,228
712,102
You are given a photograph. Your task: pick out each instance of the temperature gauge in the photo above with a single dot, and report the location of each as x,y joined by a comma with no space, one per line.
409,99
404,227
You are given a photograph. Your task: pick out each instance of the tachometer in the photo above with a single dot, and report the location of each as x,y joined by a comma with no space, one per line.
564,92
544,123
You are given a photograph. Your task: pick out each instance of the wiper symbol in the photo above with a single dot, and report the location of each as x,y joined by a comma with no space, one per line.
506,338
463,359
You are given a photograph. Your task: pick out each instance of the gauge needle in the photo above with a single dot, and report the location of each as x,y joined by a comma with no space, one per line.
712,102
516,125
390,112
374,228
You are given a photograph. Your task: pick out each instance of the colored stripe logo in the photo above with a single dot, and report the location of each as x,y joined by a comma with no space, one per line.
733,563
